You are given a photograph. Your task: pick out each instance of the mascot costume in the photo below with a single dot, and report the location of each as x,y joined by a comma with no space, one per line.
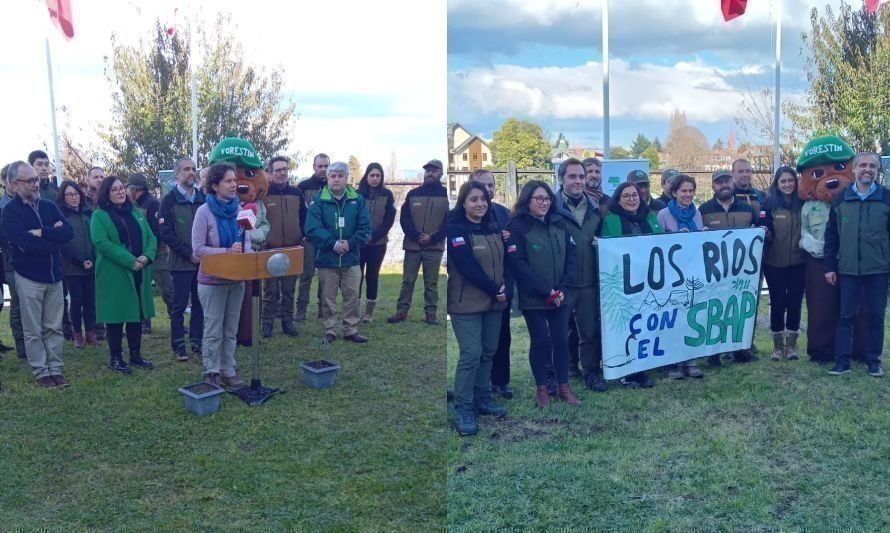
252,188
826,169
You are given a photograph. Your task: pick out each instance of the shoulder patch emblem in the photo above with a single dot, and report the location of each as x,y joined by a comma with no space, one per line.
458,241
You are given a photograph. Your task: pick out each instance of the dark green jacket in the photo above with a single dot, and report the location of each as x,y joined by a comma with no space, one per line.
323,227
175,221
542,258
782,247
80,248
583,234
857,239
612,225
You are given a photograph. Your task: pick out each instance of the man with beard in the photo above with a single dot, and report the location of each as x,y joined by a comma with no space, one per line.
744,192
856,242
95,175
8,276
725,211
594,182
310,187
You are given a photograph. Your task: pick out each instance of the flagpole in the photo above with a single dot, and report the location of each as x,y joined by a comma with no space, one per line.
194,91
606,78
52,105
777,160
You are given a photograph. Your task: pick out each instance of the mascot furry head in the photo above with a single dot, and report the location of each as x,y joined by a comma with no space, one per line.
249,175
825,167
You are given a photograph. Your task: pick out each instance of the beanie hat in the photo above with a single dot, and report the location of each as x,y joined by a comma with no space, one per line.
824,150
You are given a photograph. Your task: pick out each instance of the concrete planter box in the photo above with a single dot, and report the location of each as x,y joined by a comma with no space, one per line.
201,398
319,374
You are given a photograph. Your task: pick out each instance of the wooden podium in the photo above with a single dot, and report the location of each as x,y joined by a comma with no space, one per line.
252,267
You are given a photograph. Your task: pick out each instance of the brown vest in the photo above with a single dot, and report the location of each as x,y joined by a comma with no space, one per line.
428,214
377,210
463,296
726,220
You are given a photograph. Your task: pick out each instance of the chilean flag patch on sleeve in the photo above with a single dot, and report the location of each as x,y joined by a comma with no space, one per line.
511,249
458,241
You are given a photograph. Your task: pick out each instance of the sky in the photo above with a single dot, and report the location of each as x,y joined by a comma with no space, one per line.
541,60
368,78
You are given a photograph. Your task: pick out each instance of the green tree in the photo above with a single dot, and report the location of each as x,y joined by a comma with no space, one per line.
848,67
151,99
522,142
657,145
651,154
718,144
640,144
619,152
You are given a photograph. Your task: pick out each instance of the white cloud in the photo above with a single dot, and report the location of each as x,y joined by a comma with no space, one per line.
391,49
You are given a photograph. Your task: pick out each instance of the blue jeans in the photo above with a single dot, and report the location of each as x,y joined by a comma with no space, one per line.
871,290
548,331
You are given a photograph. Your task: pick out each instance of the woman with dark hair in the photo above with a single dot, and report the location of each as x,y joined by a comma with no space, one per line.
627,215
477,295
382,208
681,215
215,231
784,263
79,255
125,248
542,257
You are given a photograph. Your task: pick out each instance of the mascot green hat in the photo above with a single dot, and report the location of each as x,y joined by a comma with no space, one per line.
236,151
825,150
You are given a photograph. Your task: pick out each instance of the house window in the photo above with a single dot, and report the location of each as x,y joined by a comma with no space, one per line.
484,156
465,156
475,157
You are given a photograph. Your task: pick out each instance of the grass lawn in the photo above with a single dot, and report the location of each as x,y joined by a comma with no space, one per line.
765,446
117,452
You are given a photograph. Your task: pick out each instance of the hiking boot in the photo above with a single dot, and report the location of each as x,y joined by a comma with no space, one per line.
232,382
778,345
595,383
875,370
839,369
267,330
791,345
504,390
692,371
465,421
564,393
431,319
60,381
288,328
485,406
91,338
46,382
79,342
356,338
137,360
714,360
181,354
119,365
369,312
211,378
301,313
400,316
675,372
542,396
20,349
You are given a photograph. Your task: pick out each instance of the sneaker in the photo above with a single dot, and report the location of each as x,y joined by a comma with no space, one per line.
400,316
875,370
504,390
839,369
484,406
181,354
595,383
465,421
267,330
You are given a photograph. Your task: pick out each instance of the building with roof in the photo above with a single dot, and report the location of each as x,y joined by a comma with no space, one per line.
466,151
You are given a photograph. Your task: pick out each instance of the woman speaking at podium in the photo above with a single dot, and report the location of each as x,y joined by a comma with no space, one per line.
215,231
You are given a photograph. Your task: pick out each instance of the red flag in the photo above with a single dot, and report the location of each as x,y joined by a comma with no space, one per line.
733,8
60,13
872,5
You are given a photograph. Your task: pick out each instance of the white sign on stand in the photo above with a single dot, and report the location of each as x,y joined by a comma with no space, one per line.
615,172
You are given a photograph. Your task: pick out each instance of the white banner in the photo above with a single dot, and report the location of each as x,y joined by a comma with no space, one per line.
677,296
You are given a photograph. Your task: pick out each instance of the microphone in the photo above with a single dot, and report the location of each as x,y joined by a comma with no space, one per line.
246,221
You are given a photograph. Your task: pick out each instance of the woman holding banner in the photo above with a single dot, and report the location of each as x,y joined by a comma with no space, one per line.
784,263
477,295
542,258
681,215
627,215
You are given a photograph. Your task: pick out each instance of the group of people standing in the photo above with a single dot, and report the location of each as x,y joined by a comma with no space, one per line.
546,246
100,246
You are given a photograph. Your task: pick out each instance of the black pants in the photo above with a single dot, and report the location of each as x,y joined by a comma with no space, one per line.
371,259
785,286
500,363
548,331
185,288
82,304
115,333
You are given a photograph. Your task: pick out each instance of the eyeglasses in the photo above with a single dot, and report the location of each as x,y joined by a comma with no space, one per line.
71,194
631,196
542,199
30,181
118,189
282,169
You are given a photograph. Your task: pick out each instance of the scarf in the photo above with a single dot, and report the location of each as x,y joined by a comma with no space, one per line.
226,214
595,194
685,216
127,228
628,218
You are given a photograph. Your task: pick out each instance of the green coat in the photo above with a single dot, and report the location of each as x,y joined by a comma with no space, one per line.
116,300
